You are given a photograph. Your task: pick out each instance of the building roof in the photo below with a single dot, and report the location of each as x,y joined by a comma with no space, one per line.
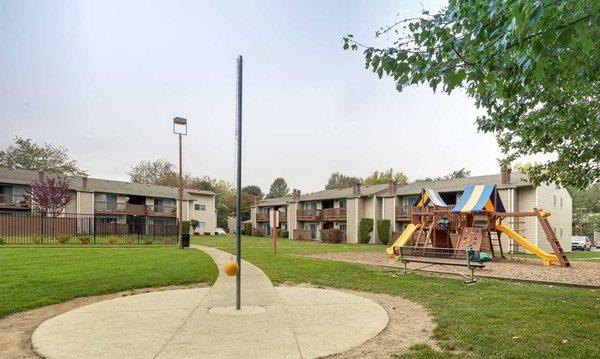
344,192
459,184
268,202
25,177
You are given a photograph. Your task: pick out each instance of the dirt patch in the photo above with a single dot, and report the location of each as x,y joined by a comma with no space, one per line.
580,273
410,324
16,329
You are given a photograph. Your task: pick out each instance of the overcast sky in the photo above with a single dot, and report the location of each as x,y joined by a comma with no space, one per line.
105,78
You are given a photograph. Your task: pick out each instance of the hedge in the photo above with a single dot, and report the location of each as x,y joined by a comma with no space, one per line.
246,229
332,235
282,233
257,232
383,230
365,229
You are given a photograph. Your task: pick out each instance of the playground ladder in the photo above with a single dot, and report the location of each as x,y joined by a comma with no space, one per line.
560,254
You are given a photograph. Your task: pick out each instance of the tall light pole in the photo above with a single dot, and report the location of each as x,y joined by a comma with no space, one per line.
180,129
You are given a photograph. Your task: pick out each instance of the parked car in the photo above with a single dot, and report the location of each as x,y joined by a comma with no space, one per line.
220,231
581,242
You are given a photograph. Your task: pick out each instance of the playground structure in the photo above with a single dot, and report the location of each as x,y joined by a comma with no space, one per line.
439,231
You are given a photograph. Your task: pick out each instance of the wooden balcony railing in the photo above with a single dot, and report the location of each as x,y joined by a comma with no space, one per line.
162,210
334,214
403,212
325,233
302,234
120,208
13,201
308,215
262,216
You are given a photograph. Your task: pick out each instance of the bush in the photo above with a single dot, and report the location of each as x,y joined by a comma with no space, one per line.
383,230
36,240
62,239
2,241
194,223
283,234
365,229
129,239
246,229
113,239
185,227
148,241
332,235
207,233
257,232
85,240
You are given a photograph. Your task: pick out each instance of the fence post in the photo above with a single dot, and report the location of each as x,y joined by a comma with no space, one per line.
93,218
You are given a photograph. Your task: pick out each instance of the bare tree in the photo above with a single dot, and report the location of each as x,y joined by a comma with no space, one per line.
49,195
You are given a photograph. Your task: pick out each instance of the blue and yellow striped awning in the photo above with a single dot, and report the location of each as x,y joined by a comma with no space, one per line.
479,198
429,197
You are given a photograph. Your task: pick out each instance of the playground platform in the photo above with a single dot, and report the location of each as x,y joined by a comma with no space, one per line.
275,322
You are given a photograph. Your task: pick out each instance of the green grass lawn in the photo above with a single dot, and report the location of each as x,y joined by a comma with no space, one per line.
491,319
32,277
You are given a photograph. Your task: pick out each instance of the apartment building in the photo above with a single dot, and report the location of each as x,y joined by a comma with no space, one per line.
307,216
115,202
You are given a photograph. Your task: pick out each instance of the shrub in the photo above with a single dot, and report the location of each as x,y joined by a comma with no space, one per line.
283,234
148,241
62,239
246,229
85,240
113,239
332,235
185,227
129,239
257,232
206,233
365,229
383,230
36,240
194,223
2,241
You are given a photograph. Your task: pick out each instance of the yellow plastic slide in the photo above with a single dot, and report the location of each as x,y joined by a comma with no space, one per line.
404,237
546,257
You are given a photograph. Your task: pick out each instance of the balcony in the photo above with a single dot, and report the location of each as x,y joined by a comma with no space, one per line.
262,216
9,201
120,208
334,214
403,212
166,211
308,215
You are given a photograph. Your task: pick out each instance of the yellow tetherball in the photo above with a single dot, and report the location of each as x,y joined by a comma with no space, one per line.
231,268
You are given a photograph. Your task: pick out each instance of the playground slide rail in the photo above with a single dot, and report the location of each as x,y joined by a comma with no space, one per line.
404,237
545,256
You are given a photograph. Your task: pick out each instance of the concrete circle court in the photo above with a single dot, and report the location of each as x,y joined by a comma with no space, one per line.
275,322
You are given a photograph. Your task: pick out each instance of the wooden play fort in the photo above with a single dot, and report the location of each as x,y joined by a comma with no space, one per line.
438,231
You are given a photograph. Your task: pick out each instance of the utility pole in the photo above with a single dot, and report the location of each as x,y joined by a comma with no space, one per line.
238,207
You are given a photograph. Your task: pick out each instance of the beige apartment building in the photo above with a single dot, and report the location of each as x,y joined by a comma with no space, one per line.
308,215
115,202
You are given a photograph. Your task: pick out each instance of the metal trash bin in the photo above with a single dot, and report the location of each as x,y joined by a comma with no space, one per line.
185,240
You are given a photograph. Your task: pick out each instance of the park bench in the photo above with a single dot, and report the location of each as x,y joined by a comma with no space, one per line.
439,256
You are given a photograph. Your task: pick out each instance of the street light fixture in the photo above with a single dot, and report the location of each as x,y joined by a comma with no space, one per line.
180,128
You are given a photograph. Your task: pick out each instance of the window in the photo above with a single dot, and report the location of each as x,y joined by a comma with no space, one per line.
561,232
201,224
310,205
409,201
342,203
105,201
554,200
106,220
343,226
561,201
164,202
200,207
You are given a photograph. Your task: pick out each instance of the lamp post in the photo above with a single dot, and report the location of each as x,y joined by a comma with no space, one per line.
180,128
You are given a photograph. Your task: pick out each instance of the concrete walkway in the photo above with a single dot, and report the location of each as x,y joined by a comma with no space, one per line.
282,322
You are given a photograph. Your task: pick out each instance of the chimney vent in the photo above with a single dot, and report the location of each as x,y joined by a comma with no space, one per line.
356,189
392,187
40,176
505,174
296,194
84,179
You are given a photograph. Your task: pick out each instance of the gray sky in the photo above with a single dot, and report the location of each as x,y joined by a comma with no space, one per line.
105,78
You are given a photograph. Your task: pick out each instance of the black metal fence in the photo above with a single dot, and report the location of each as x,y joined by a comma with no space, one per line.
73,228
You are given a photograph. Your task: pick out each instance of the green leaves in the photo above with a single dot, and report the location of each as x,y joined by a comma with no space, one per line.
533,66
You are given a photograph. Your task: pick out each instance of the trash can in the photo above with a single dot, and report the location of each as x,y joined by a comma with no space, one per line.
185,240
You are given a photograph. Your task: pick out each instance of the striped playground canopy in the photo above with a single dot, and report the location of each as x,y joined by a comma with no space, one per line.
479,198
429,197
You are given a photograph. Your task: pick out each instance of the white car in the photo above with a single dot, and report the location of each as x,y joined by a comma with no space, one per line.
220,231
581,242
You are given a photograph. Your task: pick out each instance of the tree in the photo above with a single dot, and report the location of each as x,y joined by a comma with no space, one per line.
532,66
588,198
27,155
338,180
385,177
461,173
224,199
49,195
254,191
279,188
159,172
